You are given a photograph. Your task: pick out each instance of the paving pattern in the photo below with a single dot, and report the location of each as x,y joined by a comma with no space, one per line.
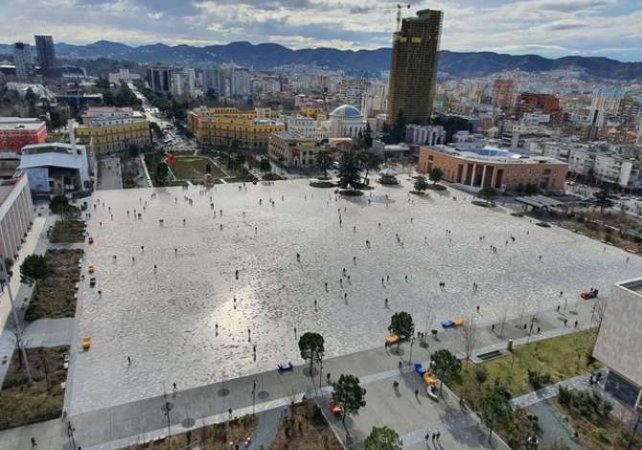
180,323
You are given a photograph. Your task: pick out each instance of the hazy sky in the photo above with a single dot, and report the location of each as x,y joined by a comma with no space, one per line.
547,27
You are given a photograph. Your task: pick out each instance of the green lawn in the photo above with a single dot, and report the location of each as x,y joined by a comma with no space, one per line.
561,357
194,168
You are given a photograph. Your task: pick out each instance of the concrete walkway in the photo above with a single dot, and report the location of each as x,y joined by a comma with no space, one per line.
144,420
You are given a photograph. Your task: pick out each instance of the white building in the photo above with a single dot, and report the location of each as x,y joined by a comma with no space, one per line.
618,342
346,121
425,134
16,215
56,167
306,127
240,82
123,75
183,83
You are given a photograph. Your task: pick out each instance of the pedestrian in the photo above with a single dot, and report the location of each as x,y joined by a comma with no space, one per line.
315,303
477,308
561,293
416,393
229,412
237,274
33,443
298,257
388,278
406,278
174,386
326,286
434,435
129,361
539,329
492,328
558,308
576,324
427,436
386,302
438,435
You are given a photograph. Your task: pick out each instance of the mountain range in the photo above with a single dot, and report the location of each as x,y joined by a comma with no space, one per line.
267,56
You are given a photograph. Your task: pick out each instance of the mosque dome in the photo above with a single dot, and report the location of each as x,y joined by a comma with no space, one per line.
347,111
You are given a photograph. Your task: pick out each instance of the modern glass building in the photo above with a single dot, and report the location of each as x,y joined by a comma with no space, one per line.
413,69
46,55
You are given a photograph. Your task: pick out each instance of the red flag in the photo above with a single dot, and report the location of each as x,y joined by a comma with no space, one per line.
171,159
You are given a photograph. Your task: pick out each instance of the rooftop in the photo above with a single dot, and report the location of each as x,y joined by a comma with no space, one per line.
19,123
634,285
347,111
494,154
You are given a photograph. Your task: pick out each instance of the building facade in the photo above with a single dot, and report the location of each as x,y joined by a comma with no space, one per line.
346,121
123,75
16,132
413,68
108,130
23,60
618,342
159,79
503,93
16,215
425,134
46,55
183,83
492,167
292,149
56,167
529,102
225,126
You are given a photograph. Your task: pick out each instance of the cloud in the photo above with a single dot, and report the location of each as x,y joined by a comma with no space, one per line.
548,27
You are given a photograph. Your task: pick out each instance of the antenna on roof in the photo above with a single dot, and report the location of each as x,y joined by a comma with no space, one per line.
399,8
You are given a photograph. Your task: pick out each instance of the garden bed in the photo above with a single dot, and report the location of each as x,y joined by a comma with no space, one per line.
322,184
54,295
24,403
305,429
67,232
221,436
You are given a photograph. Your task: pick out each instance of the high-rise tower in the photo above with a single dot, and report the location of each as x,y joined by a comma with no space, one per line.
413,68
46,55
22,59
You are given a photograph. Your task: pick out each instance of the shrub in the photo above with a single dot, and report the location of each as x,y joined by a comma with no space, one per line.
481,375
538,380
600,433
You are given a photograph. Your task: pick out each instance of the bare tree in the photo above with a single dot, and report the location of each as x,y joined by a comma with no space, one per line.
469,333
502,323
22,351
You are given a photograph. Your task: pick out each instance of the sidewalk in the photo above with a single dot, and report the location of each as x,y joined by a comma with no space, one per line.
143,420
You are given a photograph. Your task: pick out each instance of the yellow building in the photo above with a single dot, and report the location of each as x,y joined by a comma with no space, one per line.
292,149
108,135
222,126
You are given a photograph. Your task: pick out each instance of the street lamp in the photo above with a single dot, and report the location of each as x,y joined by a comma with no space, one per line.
254,398
20,342
412,341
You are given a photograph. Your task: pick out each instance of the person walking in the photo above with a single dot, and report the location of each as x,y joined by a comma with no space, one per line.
129,361
34,444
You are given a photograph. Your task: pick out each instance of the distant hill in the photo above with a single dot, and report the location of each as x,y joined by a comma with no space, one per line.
266,56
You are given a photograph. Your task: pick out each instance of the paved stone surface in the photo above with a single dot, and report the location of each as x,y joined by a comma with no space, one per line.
553,429
166,320
109,174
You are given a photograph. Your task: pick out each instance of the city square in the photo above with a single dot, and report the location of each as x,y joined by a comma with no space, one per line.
167,293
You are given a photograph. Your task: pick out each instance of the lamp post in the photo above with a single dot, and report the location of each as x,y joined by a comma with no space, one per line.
20,342
254,398
412,342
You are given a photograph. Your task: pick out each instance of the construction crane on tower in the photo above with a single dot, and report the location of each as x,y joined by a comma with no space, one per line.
399,8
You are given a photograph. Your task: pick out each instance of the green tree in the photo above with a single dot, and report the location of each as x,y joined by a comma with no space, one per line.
311,348
367,161
349,395
160,173
421,184
264,165
435,175
402,325
489,194
34,267
134,150
324,160
349,172
367,137
445,366
495,411
603,199
383,438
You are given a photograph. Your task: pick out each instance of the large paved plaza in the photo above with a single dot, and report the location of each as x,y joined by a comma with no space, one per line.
180,323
